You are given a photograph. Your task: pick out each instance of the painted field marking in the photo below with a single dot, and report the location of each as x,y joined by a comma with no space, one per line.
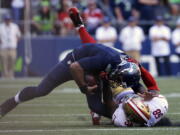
60,115
76,90
172,95
42,122
73,90
88,129
54,105
47,115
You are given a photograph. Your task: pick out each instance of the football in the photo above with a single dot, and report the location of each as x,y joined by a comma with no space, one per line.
90,80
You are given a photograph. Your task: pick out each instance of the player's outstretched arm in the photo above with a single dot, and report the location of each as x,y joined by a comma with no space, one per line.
148,79
108,98
77,73
79,25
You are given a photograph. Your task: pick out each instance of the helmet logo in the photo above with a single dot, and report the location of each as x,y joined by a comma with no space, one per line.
123,62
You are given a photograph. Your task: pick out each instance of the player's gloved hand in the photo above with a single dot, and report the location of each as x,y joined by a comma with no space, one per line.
148,95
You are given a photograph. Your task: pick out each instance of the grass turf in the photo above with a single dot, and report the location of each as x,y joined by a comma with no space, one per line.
65,112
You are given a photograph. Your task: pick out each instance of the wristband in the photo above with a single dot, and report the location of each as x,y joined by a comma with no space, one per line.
83,89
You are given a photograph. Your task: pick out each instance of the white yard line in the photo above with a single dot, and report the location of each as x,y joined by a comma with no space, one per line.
172,95
47,115
60,105
42,122
59,115
175,113
72,90
88,129
57,91
54,105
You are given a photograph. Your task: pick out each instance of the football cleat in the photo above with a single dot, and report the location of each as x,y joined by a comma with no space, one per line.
95,118
75,17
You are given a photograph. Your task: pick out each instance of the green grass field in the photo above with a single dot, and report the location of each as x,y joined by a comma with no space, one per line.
65,112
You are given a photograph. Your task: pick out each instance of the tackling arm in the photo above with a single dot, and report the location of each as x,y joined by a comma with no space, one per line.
148,79
150,83
108,98
77,73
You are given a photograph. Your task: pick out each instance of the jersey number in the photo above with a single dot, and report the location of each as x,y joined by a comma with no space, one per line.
157,114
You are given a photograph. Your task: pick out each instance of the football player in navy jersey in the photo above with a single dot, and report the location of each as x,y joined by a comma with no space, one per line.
90,58
95,101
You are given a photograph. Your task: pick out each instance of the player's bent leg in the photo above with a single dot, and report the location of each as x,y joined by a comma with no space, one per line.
58,75
99,108
78,23
26,94
85,36
95,104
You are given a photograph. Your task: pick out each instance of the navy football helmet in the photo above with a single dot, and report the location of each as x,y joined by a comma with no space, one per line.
126,74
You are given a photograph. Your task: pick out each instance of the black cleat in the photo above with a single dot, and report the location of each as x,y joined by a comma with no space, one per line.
75,17
7,106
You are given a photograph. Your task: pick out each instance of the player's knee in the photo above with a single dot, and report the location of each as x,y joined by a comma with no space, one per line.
27,93
43,88
41,92
74,66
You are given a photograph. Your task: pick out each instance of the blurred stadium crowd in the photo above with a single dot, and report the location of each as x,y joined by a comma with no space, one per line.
128,21
51,17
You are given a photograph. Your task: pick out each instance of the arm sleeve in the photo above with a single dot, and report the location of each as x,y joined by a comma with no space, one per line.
93,64
148,79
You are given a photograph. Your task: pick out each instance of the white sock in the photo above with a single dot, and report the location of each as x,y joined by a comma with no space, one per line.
16,98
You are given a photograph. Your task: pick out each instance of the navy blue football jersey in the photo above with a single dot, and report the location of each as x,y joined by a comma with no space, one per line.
95,58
